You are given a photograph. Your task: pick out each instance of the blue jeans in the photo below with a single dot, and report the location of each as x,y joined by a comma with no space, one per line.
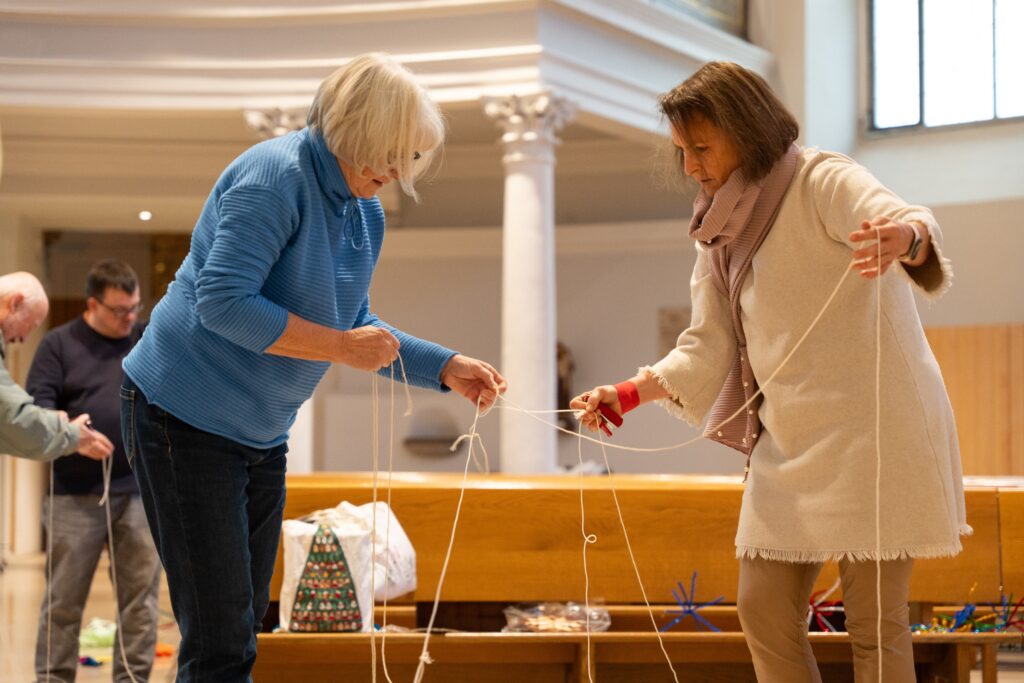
214,507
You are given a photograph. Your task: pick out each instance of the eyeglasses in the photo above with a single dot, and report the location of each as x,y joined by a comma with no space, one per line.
123,311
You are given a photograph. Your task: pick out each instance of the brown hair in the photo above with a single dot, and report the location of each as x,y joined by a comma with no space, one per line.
110,273
741,104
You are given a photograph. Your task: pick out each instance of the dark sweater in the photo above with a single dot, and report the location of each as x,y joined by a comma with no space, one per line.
78,370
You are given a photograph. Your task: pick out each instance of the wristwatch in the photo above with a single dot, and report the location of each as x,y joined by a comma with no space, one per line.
915,245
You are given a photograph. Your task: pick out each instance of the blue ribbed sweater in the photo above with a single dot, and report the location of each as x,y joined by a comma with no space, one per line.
280,232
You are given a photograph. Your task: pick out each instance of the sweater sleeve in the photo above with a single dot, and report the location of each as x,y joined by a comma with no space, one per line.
28,431
846,193
694,371
423,360
45,381
254,227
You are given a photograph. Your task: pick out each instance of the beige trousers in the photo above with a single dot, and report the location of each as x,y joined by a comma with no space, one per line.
772,605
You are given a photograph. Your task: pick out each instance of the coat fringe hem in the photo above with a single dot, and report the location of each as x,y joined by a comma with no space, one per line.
674,404
869,555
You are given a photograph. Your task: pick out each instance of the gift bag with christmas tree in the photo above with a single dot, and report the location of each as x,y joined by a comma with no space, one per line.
328,568
325,599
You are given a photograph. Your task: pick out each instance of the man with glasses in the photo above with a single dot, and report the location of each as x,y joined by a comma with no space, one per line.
78,369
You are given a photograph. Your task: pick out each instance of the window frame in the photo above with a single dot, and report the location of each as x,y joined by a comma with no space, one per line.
874,130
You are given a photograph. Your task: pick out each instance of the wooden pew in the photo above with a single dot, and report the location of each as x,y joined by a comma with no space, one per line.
519,541
616,657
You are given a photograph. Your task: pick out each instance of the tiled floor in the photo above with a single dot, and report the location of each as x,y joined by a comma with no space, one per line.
21,592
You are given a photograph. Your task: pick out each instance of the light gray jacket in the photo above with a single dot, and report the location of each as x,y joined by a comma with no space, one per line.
28,431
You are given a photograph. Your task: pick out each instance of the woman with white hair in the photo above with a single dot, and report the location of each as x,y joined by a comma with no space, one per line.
273,290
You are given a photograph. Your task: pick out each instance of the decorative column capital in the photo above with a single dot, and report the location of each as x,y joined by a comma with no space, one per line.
272,123
530,118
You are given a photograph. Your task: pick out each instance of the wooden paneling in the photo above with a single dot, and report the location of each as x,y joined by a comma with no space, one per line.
519,537
952,578
1011,522
619,657
983,367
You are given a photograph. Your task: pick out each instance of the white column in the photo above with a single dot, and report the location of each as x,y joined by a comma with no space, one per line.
528,275
24,481
301,438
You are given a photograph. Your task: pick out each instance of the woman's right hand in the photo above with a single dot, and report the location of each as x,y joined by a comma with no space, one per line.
368,348
587,404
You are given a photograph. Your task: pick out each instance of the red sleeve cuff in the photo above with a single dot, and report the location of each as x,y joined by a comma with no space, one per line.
629,397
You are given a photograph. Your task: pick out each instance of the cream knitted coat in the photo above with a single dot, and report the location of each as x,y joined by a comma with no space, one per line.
811,492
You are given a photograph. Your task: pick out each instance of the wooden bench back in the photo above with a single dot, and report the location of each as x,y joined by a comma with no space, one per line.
519,538
1011,527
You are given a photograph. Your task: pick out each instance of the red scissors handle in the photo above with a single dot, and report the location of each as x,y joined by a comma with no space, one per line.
609,415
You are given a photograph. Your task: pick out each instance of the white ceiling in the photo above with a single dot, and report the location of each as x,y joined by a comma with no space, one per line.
108,108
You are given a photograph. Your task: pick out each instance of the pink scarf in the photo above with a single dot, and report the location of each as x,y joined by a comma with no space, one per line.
731,226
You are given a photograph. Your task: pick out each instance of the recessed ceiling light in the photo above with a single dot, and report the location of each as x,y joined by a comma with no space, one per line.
145,215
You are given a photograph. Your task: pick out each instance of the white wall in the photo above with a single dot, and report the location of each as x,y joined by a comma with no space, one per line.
611,281
971,176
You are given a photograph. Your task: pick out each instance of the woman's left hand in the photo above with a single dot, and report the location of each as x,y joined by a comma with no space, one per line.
474,379
896,238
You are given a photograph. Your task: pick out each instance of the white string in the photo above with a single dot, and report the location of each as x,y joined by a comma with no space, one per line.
636,569
878,454
387,526
425,654
535,413
108,467
49,574
373,532
473,437
587,540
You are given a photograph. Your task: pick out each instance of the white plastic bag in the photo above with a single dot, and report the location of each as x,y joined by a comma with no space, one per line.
394,553
332,594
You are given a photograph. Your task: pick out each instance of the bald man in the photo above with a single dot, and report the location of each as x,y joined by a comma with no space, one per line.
26,430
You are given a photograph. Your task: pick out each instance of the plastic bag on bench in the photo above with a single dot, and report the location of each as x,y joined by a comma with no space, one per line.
394,552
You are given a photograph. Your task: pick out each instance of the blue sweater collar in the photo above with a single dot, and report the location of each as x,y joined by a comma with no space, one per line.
328,172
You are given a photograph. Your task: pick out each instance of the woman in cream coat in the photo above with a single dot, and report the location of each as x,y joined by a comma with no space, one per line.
756,288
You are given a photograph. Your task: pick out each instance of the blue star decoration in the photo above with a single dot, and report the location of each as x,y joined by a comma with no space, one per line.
688,606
